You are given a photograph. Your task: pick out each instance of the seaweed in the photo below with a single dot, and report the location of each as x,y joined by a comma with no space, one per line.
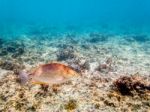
129,85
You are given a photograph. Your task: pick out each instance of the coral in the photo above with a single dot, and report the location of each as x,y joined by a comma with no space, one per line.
129,85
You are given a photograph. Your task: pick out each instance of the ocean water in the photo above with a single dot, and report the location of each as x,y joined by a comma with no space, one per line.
102,40
106,16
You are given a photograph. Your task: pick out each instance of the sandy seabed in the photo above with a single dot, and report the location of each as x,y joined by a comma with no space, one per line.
100,59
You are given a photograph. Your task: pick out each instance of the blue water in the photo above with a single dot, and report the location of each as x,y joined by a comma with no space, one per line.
106,16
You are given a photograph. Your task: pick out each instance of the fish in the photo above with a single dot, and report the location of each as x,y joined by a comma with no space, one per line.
48,74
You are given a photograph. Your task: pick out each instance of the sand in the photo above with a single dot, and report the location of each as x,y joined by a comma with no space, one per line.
100,62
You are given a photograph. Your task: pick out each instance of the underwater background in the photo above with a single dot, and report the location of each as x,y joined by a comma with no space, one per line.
110,16
107,42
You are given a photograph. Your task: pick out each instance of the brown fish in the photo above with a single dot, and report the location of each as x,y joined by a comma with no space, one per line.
52,73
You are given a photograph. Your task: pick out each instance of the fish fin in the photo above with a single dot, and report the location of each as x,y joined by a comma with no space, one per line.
39,83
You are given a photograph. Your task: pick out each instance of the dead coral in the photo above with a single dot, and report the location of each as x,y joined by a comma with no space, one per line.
129,85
